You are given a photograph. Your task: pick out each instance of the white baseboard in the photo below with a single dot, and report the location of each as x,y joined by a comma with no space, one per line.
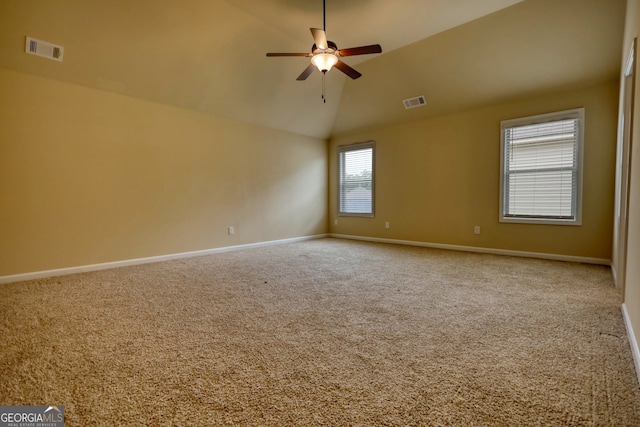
125,263
557,257
635,351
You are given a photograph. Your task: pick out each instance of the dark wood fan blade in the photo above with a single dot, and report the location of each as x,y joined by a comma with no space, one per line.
347,70
307,72
320,37
289,54
362,50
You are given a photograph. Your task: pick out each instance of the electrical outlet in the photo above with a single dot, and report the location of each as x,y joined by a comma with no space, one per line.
476,229
387,225
232,230
335,222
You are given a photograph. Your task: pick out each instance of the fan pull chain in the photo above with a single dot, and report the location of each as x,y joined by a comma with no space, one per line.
323,97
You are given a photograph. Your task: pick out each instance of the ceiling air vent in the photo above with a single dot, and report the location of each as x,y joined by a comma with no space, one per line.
418,101
44,49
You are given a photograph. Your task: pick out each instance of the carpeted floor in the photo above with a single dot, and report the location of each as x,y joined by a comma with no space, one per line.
325,332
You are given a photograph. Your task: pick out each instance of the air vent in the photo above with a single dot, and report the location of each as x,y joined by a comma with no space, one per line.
418,101
44,49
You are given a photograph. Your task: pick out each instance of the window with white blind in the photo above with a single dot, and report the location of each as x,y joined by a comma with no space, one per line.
356,179
541,161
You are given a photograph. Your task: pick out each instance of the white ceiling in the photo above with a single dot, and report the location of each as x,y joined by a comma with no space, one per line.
362,22
209,55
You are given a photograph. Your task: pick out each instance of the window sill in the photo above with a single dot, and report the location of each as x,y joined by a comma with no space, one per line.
360,215
541,221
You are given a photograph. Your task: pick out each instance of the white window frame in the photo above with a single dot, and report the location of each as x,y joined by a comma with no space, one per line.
578,114
341,177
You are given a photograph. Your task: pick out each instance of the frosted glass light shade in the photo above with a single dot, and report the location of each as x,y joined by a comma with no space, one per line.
324,61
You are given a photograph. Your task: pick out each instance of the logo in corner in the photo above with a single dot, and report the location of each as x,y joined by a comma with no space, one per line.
32,416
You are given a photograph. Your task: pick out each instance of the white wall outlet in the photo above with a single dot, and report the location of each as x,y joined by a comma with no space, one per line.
232,230
387,225
476,229
335,221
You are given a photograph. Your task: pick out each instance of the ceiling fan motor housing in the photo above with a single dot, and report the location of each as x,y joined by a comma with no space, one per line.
333,48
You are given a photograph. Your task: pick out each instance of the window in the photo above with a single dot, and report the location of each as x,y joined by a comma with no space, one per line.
356,179
541,161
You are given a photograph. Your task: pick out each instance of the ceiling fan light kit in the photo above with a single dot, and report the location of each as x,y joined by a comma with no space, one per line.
324,61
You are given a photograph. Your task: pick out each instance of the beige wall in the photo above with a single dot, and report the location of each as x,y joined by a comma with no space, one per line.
90,177
632,283
438,178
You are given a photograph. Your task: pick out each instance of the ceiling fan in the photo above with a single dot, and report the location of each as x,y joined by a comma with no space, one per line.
325,53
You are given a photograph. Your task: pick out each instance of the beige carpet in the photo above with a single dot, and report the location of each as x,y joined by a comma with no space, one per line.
324,332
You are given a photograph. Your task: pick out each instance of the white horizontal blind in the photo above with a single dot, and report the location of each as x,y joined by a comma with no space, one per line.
356,179
541,169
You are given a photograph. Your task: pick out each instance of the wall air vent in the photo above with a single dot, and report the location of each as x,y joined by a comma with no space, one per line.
44,49
418,101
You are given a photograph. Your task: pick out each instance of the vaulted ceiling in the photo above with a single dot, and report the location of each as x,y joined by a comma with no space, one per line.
209,55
